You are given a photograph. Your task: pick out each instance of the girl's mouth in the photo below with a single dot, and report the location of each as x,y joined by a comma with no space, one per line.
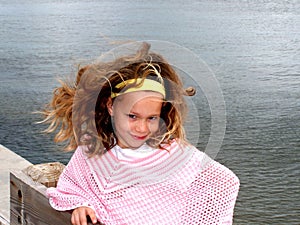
140,137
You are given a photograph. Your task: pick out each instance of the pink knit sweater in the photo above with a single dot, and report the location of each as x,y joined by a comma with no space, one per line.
180,185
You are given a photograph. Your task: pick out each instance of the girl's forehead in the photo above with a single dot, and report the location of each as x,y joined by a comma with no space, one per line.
138,96
139,99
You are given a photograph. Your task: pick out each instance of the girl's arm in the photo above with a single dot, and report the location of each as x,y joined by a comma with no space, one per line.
75,191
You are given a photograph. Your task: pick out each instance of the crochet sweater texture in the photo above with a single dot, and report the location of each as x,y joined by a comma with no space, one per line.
179,185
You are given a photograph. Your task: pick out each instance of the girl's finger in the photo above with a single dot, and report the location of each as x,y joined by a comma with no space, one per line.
82,216
75,218
92,215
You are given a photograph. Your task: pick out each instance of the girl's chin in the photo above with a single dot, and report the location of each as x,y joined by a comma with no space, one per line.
133,145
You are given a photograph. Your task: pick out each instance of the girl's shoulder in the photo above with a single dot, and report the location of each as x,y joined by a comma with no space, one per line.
213,172
201,166
81,150
79,155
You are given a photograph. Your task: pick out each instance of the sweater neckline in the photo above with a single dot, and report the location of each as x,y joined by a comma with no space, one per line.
128,155
152,166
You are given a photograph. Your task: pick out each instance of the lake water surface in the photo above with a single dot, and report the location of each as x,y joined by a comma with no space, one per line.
252,47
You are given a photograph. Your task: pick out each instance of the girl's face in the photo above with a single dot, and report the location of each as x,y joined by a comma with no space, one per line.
135,117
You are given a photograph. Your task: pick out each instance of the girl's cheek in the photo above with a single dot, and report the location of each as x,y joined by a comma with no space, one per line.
131,125
154,126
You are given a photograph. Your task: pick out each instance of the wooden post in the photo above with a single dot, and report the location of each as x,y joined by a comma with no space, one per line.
9,161
29,203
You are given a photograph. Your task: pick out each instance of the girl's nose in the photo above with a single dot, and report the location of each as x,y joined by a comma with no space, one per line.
142,127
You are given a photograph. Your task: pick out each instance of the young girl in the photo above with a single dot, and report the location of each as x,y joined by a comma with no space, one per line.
132,163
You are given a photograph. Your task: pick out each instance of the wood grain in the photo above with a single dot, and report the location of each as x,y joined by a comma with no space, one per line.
29,204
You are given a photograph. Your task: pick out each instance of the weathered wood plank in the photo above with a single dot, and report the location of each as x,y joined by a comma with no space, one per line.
29,204
9,161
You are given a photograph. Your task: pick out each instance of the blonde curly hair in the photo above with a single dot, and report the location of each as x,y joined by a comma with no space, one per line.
78,110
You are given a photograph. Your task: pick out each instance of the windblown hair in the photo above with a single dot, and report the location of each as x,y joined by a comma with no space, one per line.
78,110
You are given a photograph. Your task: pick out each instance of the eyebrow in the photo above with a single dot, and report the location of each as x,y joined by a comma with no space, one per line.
135,113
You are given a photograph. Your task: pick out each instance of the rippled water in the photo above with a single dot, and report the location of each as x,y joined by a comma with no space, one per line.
253,48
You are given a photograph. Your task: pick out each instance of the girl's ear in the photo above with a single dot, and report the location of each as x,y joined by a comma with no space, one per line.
109,106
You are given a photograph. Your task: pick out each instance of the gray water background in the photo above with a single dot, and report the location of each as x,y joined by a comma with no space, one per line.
252,47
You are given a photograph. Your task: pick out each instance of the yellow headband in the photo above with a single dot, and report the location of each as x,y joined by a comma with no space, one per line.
147,85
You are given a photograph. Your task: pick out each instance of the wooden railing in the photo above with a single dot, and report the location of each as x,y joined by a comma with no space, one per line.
29,203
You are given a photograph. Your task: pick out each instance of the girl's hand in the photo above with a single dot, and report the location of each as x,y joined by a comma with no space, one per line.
79,216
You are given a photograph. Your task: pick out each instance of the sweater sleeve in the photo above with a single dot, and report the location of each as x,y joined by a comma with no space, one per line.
74,187
212,195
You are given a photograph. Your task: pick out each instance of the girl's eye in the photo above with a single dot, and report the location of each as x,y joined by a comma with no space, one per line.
132,116
152,118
